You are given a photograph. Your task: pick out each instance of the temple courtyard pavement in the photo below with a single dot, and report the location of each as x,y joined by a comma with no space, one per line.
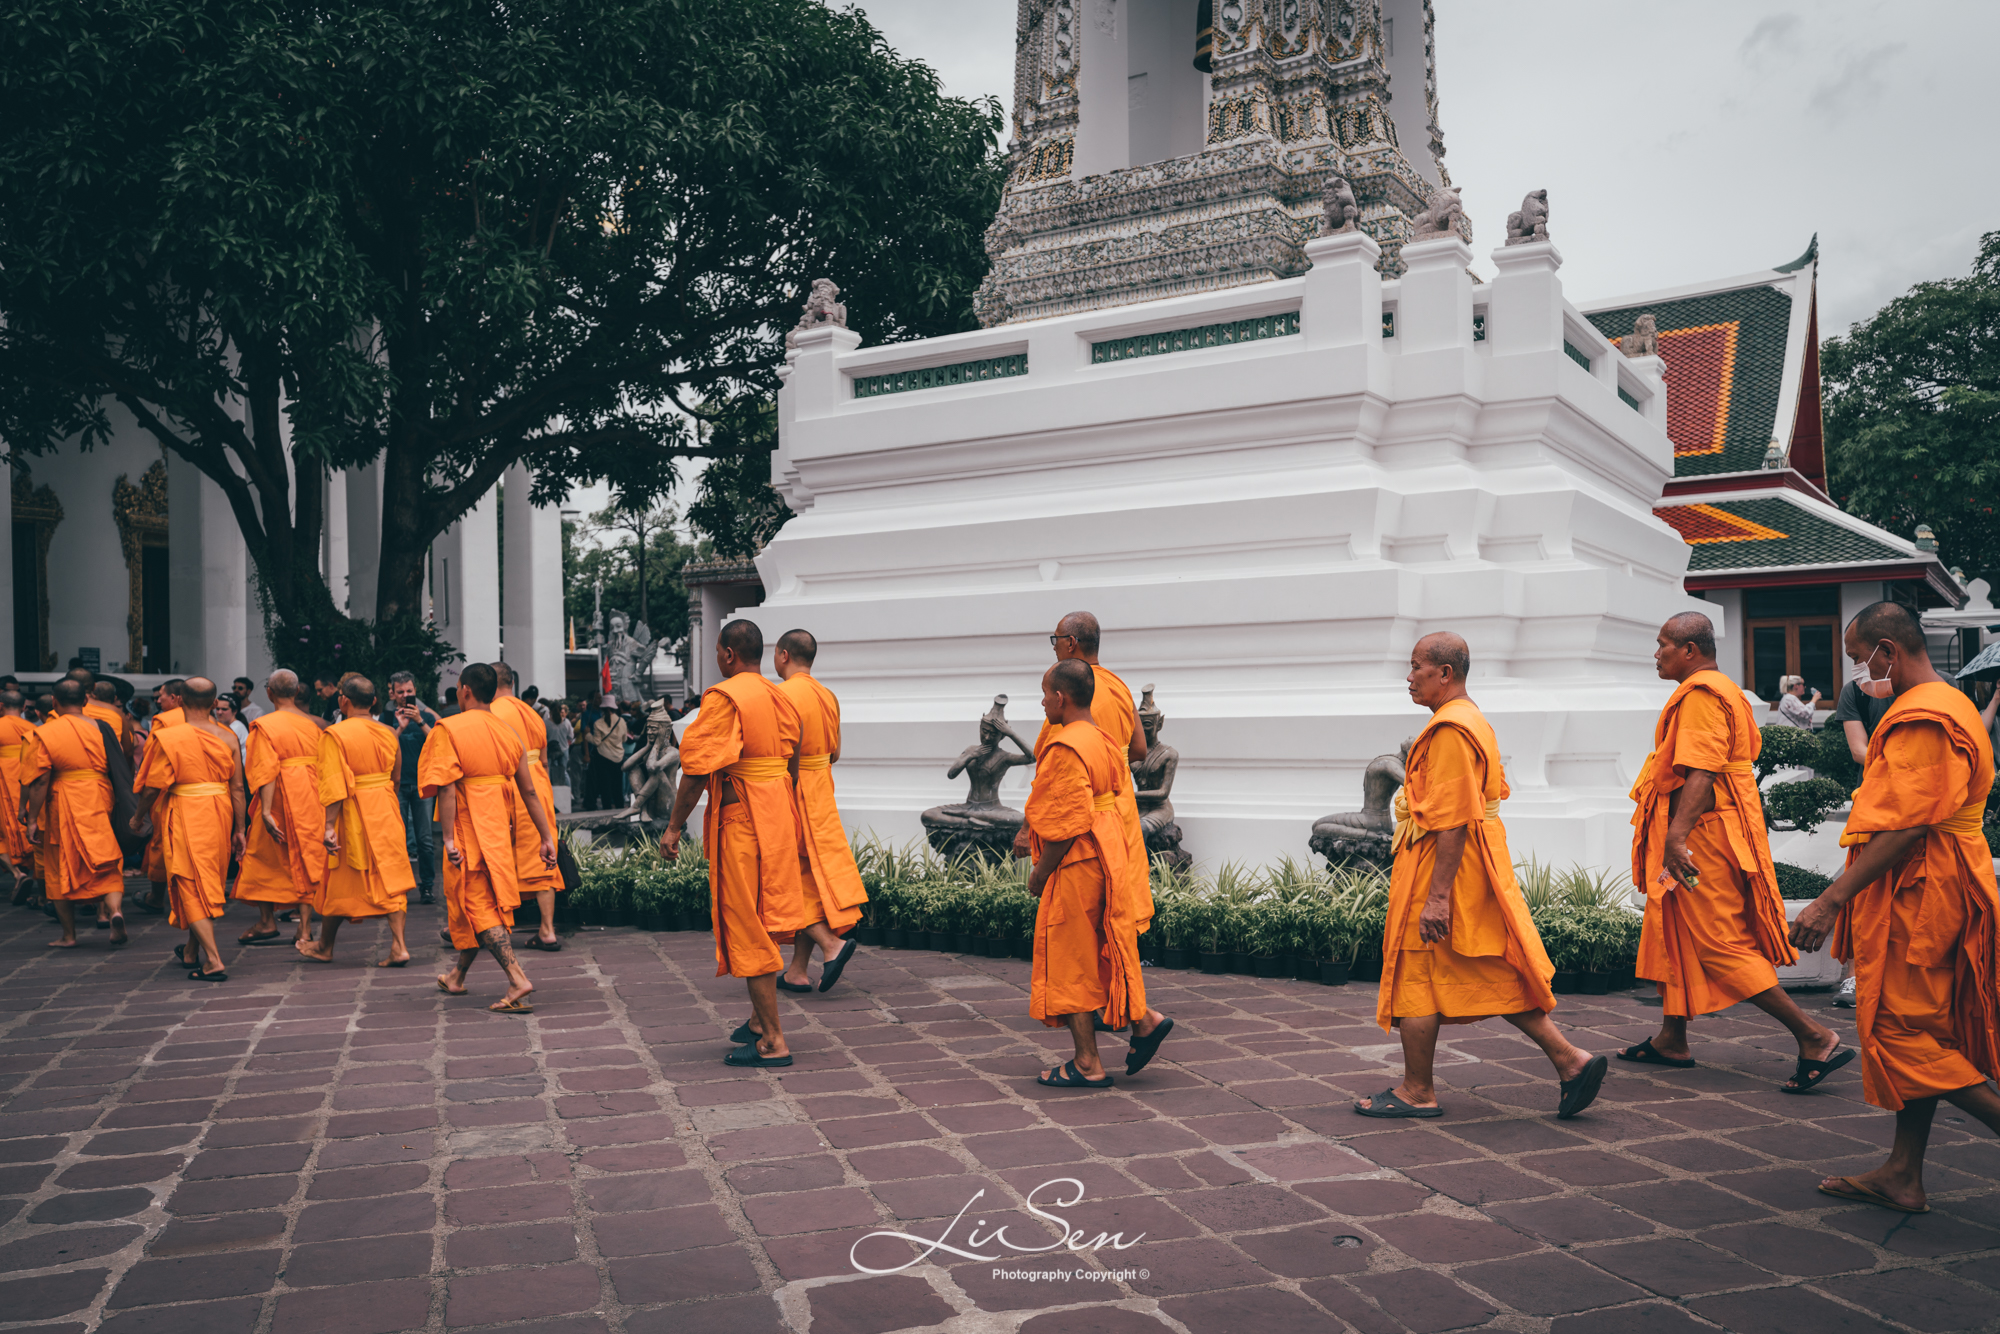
344,1149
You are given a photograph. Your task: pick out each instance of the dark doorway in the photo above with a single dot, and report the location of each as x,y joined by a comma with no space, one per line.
155,632
27,600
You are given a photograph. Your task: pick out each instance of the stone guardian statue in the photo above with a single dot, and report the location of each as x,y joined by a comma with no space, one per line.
1531,221
980,825
659,765
1153,785
1342,213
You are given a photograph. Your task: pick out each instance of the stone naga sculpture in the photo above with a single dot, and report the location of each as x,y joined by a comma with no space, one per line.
822,311
1441,218
1531,222
1342,213
1153,785
980,824
1365,837
1644,340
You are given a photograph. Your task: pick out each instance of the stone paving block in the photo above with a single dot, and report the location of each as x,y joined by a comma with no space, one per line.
1932,1234
521,1244
810,1211
1645,1318
661,1231
1674,1267
1439,1238
1684,1204
91,1206
1196,1266
68,1246
375,1217
239,1316
45,1296
715,1271
521,1294
508,1204
1365,1199
197,1278
1784,1311
1264,1308
221,1232
362,1308
1423,1301
359,1260
1313,1251
357,1182
1550,1283
1481,1182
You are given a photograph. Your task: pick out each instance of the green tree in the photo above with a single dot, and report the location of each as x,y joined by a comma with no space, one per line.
616,567
452,236
1913,414
738,510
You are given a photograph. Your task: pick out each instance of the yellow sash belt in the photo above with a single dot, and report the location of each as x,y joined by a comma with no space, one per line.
1104,803
1409,832
297,762
759,768
815,762
371,780
198,790
12,752
1967,819
1737,767
79,775
535,757
486,780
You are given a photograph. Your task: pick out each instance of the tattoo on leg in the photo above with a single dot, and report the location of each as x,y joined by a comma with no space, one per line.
466,958
499,944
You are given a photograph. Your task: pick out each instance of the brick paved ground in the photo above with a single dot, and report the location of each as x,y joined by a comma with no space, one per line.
343,1149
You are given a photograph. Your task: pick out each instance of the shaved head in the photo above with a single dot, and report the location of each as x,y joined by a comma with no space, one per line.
1074,681
360,691
105,692
1081,626
505,674
172,689
1445,649
481,680
198,694
68,693
1894,622
800,644
1691,628
282,684
744,639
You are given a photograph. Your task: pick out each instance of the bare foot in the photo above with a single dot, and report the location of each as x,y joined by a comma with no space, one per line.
801,980
1572,1065
63,944
316,952
118,930
1673,1051
444,985
392,960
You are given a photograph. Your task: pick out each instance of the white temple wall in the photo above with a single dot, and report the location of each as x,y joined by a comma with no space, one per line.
89,587
532,632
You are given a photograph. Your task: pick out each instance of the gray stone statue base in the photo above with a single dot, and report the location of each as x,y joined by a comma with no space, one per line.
615,829
1165,844
985,832
1365,838
1348,846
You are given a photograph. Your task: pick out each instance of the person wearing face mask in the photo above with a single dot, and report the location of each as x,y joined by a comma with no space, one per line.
1916,909
1858,714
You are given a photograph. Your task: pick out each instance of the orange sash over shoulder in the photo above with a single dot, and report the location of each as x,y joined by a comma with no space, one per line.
14,734
821,838
1922,939
1112,710
1489,918
193,818
1079,966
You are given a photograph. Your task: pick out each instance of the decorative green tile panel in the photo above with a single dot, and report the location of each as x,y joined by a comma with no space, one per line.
939,377
1627,399
1187,340
1570,349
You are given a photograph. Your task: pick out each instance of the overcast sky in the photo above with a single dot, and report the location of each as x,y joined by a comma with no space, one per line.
1678,141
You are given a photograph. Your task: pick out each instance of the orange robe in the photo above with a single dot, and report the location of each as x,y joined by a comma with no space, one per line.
78,857
284,748
155,859
528,868
193,818
1087,925
831,881
1111,708
14,734
477,751
1714,943
371,876
743,743
1494,962
109,714
1922,937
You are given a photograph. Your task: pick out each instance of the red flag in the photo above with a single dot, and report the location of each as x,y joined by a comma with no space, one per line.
604,675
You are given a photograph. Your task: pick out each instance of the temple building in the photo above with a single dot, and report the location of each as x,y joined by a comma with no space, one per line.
1767,545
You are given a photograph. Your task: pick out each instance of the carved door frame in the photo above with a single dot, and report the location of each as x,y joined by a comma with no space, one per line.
141,514
37,505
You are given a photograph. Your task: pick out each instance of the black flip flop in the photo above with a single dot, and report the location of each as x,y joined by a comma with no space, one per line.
793,986
1647,1054
1386,1106
744,1033
1068,1078
1144,1046
1811,1074
180,957
835,967
102,926
747,1054
546,946
198,976
258,937
1097,1023
1580,1092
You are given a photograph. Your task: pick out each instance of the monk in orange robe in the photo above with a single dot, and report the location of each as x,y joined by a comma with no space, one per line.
1715,930
14,846
103,706
68,796
743,750
1916,910
537,879
831,882
1459,945
1087,925
477,768
192,795
286,857
168,712
368,860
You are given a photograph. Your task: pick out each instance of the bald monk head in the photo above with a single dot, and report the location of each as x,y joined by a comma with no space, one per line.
282,689
11,703
1887,640
1076,637
1439,664
794,654
168,696
739,648
1685,645
504,679
198,698
357,696
82,675
478,684
1067,689
104,693
68,695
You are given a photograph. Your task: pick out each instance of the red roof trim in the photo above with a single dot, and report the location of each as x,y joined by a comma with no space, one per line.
1929,571
1808,445
1719,484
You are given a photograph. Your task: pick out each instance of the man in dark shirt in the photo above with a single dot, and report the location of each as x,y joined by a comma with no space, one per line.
1856,715
412,722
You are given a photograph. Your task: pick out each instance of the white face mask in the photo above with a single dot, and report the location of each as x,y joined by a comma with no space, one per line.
1873,686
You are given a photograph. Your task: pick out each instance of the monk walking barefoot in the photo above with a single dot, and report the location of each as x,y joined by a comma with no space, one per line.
537,879
286,857
18,852
1459,945
477,768
744,752
1916,909
65,775
367,855
1087,924
1715,930
830,882
193,801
